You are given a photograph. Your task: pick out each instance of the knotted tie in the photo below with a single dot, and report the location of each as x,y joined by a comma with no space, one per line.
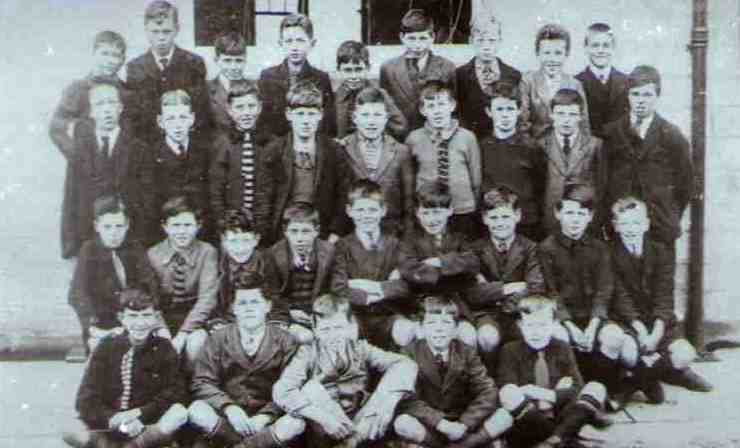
247,170
638,126
127,364
413,69
303,261
441,365
372,241
566,146
542,376
304,160
443,161
163,62
105,150
179,276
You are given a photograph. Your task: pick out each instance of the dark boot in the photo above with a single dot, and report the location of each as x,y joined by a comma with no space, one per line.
224,435
647,380
263,439
434,440
478,438
152,437
530,426
687,379
574,417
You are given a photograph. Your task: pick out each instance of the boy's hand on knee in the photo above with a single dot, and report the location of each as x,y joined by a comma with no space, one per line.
132,428
453,430
337,429
123,417
240,420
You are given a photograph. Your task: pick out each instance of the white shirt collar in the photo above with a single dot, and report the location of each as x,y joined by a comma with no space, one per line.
422,61
168,56
309,147
175,147
599,72
251,341
112,135
498,135
507,242
445,354
634,248
365,239
224,82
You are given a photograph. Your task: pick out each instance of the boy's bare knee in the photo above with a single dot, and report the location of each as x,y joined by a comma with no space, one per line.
595,390
511,397
403,332
630,351
194,343
498,423
611,338
682,353
467,334
287,428
409,428
202,415
175,417
303,335
488,338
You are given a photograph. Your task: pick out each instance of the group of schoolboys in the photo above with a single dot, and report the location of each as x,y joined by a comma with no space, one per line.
480,248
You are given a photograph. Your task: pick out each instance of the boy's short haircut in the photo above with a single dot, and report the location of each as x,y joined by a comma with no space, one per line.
108,204
135,300
159,11
330,305
352,52
535,304
567,97
485,22
230,43
301,212
500,196
370,95
237,220
177,205
552,31
297,20
415,21
243,87
110,38
365,189
304,94
433,195
581,193
177,97
435,87
628,203
440,305
643,75
505,89
598,27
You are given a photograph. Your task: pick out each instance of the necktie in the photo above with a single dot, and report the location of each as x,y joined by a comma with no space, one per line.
304,160
413,68
372,241
438,240
247,170
501,249
250,346
542,376
488,73
179,276
163,62
638,126
566,146
443,161
105,150
120,270
633,249
303,260
441,365
127,364
182,155
602,78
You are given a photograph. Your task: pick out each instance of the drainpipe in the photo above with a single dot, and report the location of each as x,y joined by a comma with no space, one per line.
698,49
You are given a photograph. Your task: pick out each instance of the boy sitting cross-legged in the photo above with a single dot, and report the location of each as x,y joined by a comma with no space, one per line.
643,302
298,269
371,153
509,269
132,389
434,259
328,383
541,386
365,271
234,375
455,399
447,153
353,67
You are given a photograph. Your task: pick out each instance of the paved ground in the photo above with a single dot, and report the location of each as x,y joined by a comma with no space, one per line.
38,403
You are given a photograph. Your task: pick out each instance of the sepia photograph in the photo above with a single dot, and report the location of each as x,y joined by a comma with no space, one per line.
369,223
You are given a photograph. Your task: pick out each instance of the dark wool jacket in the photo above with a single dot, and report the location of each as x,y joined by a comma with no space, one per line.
466,393
156,381
609,108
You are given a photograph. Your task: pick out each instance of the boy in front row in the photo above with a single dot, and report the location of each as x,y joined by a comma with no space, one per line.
371,153
353,66
298,270
447,153
404,76
132,390
541,386
296,41
327,383
643,302
234,375
305,169
365,271
455,399
509,270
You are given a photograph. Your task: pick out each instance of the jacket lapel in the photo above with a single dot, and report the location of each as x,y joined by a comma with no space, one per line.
426,362
454,365
219,94
648,255
323,258
489,259
122,153
284,261
578,152
322,146
353,150
555,154
266,352
515,256
387,155
404,82
540,87
651,136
